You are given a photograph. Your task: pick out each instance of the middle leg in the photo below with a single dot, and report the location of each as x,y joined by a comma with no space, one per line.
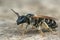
40,31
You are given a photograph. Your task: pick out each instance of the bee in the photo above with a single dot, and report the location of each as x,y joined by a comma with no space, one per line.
38,22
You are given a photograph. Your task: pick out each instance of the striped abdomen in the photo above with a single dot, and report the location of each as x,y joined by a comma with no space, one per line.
51,23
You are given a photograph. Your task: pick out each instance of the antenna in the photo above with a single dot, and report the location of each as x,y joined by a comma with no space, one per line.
15,13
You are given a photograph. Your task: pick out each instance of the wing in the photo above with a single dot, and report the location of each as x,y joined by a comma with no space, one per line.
42,16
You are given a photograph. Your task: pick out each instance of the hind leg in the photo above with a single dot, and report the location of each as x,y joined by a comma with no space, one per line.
44,24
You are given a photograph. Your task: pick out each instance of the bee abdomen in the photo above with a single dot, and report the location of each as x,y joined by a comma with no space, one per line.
51,23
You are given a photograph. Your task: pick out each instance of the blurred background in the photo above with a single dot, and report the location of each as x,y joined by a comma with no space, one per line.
8,25
44,7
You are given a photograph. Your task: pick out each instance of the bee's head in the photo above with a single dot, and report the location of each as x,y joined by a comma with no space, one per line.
21,19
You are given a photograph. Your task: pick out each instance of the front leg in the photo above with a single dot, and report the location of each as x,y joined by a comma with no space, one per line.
24,28
21,26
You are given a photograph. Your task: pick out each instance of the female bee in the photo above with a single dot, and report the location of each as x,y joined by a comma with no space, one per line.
37,21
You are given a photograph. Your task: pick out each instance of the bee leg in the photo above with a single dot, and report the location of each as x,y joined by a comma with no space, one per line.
33,27
21,26
40,31
22,29
46,26
26,28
